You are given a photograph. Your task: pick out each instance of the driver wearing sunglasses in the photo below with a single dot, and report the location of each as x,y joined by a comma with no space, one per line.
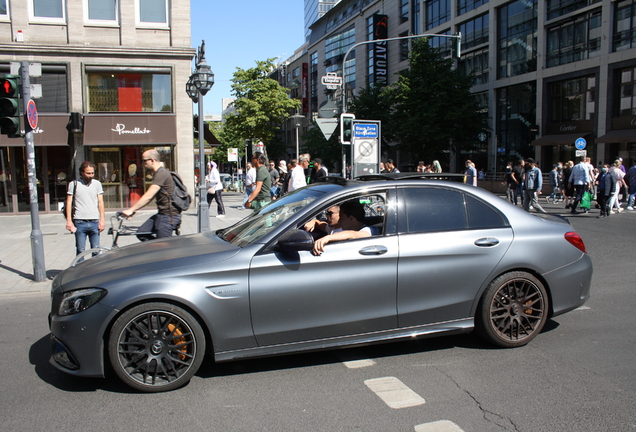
330,226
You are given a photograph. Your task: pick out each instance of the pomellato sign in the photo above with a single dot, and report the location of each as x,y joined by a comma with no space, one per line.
121,130
131,129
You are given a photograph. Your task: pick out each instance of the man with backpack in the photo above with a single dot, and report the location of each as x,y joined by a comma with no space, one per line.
168,217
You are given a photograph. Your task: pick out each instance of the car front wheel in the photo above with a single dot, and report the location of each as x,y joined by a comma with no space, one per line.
513,310
156,347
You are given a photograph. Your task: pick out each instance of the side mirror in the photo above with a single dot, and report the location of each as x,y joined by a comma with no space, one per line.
296,240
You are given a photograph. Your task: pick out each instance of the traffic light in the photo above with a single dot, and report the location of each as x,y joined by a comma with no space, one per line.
457,45
9,105
346,126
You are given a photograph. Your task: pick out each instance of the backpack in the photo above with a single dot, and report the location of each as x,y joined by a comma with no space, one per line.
180,197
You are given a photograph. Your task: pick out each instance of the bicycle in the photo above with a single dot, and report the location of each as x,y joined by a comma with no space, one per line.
116,230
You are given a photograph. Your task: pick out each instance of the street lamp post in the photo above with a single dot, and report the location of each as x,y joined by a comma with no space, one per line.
199,83
297,118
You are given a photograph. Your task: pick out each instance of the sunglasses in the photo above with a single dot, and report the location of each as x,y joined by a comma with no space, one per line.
146,160
331,213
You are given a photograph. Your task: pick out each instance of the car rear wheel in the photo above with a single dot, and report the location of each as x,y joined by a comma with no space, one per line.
156,347
513,310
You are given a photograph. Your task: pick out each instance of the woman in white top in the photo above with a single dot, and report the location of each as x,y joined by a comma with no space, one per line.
215,189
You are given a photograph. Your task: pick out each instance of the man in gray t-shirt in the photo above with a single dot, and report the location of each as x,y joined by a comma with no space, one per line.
85,208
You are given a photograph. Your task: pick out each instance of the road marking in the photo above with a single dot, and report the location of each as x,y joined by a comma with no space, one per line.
356,364
438,426
394,392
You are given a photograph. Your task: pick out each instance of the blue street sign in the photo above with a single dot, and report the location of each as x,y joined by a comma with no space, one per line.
580,143
362,130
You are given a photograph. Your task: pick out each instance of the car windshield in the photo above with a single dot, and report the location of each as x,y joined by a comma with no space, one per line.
254,227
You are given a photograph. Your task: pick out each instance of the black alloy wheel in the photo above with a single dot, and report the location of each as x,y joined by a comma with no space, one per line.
156,347
513,310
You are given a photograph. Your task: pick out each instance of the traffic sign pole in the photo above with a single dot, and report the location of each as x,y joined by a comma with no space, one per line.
37,245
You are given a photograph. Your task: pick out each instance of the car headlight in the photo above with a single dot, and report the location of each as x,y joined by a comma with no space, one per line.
77,301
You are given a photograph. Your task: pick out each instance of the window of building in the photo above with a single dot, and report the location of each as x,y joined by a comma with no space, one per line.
517,38
626,99
52,11
437,13
101,11
404,47
296,72
152,13
624,26
121,91
474,32
444,44
557,8
335,49
575,39
370,51
464,6
313,83
404,11
3,10
475,62
54,89
516,111
417,16
572,100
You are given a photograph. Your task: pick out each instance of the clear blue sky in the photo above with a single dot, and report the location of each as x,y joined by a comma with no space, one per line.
239,32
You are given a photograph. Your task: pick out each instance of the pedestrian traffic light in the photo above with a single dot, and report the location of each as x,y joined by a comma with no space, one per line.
457,45
9,105
346,126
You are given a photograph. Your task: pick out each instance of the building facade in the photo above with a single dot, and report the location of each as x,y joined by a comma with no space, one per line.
113,84
546,71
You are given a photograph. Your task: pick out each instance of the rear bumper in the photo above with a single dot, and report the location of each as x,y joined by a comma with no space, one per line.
570,285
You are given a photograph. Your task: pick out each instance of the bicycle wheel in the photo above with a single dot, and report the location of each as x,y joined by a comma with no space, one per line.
89,253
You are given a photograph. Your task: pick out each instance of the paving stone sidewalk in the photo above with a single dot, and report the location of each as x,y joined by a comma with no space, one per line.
16,257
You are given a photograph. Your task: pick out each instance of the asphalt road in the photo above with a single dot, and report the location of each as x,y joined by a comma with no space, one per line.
578,375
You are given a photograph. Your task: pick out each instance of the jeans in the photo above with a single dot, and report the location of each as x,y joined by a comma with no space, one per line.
159,226
578,189
86,228
248,192
218,197
632,196
518,193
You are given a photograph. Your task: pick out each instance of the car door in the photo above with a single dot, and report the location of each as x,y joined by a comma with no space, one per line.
450,243
349,289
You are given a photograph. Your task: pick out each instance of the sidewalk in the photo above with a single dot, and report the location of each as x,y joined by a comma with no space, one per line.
16,259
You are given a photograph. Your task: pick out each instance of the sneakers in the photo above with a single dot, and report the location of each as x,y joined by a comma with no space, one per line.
620,209
630,208
220,216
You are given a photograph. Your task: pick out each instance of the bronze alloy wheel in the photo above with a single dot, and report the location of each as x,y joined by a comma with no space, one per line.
156,347
513,310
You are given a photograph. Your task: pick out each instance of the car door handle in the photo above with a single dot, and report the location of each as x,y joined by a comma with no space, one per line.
373,250
487,242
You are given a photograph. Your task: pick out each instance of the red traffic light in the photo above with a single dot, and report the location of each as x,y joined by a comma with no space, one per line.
9,87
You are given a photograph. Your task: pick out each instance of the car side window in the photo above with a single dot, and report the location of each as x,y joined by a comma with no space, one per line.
434,209
480,215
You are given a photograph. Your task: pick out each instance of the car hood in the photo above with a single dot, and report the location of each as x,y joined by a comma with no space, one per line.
165,255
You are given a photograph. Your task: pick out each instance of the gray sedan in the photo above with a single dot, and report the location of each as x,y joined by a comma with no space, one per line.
445,258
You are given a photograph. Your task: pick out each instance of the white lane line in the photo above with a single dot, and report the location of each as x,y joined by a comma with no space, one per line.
438,426
394,392
356,364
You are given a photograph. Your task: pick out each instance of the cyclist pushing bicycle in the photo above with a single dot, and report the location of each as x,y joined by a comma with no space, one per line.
168,217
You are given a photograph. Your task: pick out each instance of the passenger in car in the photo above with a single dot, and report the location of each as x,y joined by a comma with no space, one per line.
330,226
352,223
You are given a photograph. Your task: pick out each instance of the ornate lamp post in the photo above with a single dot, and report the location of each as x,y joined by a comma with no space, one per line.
199,83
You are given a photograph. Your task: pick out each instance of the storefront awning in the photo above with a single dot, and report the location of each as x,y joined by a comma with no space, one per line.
618,136
130,129
51,131
563,139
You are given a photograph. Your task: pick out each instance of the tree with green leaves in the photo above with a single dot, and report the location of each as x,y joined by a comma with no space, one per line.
261,105
429,110
315,143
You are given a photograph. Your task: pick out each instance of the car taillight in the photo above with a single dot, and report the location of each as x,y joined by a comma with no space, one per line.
575,240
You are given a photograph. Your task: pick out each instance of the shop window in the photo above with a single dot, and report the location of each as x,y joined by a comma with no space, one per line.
52,11
129,92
